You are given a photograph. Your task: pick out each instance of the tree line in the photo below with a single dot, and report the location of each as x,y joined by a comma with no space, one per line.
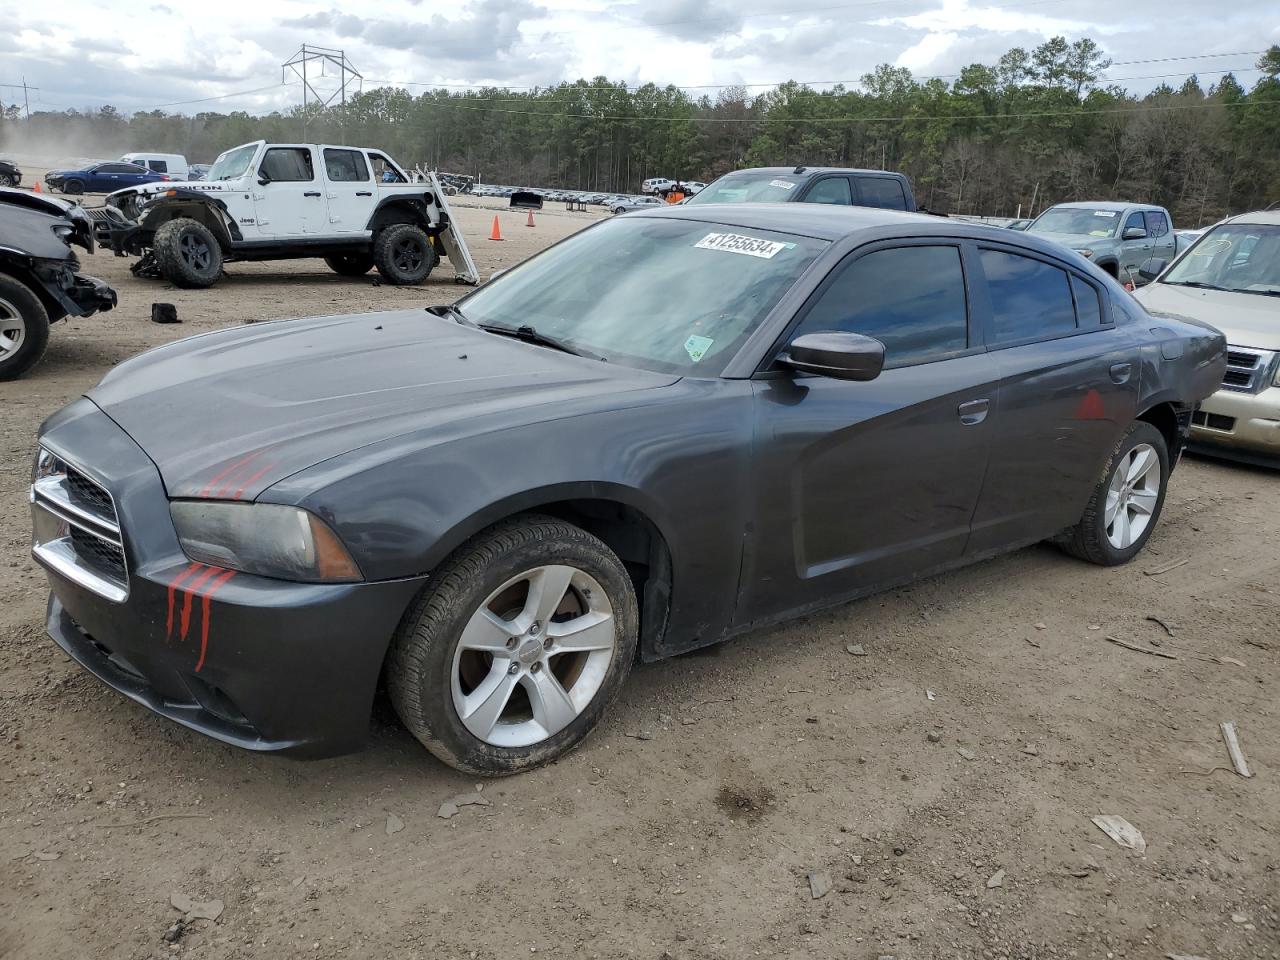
1035,128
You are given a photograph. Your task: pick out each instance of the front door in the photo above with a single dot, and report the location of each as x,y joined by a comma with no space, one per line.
291,203
861,484
348,188
1133,252
1068,389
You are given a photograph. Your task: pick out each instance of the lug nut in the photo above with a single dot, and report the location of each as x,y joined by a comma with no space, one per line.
514,668
535,668
546,644
511,643
535,627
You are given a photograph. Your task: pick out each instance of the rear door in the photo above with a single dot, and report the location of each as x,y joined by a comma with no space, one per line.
1068,389
291,203
860,484
348,188
883,192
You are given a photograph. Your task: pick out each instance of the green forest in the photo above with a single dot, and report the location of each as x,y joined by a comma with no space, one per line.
1035,128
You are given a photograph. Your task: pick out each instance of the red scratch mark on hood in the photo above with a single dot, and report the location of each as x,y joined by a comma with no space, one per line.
250,481
223,474
173,586
214,586
190,592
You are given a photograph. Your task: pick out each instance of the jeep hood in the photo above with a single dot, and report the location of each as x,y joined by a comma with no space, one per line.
1247,319
228,414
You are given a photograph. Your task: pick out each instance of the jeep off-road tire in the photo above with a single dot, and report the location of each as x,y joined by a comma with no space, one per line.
403,254
515,648
73,186
24,328
1126,503
187,253
350,264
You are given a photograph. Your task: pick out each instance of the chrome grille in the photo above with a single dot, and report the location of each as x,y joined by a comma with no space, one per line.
1248,370
77,530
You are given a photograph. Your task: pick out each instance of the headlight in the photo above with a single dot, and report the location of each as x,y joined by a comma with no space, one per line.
1275,381
1085,253
267,539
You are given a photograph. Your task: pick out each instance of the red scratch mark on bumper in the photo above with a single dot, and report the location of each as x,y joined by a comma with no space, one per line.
214,586
173,587
190,592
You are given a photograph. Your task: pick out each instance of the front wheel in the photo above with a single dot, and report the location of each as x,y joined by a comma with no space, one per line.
73,187
8,180
511,654
187,253
1127,501
403,254
24,328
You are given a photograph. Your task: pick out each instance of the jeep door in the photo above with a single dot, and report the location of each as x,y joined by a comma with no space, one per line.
348,189
291,201
860,484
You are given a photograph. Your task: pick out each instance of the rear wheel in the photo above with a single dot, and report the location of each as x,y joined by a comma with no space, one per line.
1127,501
24,328
73,186
187,253
514,650
403,254
350,264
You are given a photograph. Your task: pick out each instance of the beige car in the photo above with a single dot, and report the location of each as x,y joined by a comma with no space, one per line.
1230,278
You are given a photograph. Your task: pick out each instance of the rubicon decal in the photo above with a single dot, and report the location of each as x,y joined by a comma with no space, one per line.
196,580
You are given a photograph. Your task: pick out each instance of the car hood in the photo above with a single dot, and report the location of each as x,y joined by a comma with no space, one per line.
1074,241
1247,319
228,414
27,222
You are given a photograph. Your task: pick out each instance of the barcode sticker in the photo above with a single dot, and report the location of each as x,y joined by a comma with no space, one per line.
736,243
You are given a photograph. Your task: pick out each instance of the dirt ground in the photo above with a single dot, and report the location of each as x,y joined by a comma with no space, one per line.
943,782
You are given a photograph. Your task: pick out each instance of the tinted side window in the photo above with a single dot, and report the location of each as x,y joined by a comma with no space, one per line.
831,190
159,166
1135,222
288,164
911,299
1029,299
1088,306
121,168
1157,225
345,166
883,192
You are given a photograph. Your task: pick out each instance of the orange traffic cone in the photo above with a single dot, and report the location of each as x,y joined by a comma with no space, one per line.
496,233
530,222
36,188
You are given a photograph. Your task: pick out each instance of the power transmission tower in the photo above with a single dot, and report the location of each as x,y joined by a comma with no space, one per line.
26,100
322,60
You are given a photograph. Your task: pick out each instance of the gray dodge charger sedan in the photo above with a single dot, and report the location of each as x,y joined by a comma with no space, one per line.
665,430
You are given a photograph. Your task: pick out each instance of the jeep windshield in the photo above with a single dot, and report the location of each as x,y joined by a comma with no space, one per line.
749,188
1081,221
233,163
675,296
1238,257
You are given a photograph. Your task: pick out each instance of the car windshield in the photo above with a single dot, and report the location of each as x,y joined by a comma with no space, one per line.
676,296
233,163
1081,221
749,188
1241,257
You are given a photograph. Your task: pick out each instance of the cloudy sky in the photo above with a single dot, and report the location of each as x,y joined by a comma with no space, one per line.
137,54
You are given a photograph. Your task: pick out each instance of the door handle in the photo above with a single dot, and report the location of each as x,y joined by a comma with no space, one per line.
364,193
973,411
1120,372
312,193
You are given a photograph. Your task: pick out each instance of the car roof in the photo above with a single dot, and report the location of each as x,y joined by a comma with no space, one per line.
1116,205
1257,216
823,221
806,171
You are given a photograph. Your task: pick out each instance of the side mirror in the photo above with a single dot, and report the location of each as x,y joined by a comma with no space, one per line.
1152,268
263,179
1134,233
843,356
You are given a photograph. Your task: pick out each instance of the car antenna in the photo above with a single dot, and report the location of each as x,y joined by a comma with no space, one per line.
799,169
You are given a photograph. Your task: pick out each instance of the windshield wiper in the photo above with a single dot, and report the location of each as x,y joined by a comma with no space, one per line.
530,335
1199,285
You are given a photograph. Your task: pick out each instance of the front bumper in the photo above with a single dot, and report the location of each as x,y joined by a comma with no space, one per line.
1240,425
261,664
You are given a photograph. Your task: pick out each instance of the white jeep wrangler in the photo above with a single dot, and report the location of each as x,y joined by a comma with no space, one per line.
353,206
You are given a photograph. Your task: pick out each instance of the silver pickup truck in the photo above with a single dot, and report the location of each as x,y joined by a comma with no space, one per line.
1118,237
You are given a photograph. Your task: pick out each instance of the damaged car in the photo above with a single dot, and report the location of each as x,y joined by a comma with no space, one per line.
40,281
10,175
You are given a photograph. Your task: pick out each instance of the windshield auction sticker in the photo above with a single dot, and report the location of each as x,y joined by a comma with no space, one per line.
736,243
697,347
782,184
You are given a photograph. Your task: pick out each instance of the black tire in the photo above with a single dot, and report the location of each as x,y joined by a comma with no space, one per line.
403,254
421,662
1088,539
73,186
187,253
30,319
350,264
8,180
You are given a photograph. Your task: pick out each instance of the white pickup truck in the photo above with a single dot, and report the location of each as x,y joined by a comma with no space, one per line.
354,207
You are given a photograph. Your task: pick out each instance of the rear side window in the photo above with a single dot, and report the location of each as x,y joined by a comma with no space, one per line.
911,299
884,192
1088,306
1157,223
288,165
345,166
159,166
831,190
1030,300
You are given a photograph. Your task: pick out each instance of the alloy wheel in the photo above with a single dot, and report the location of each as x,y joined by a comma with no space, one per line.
1132,496
408,255
533,656
195,251
13,330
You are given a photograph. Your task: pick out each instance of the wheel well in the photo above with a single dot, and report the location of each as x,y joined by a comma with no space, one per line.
1165,419
23,275
399,211
1110,268
160,214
